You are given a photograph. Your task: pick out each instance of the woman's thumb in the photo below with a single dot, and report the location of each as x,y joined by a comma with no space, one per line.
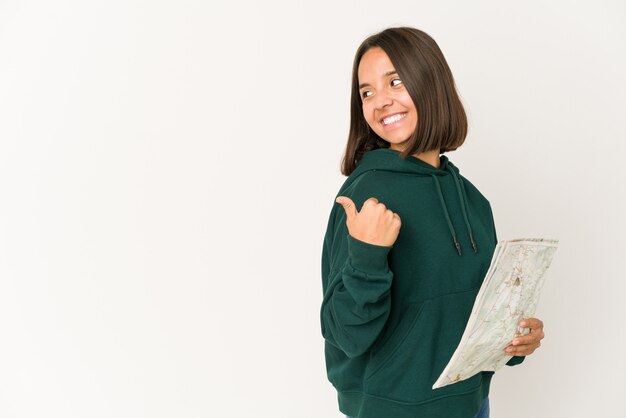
348,206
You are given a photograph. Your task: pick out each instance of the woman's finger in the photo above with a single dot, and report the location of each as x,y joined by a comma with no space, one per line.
531,323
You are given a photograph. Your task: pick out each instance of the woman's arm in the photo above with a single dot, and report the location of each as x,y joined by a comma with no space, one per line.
356,283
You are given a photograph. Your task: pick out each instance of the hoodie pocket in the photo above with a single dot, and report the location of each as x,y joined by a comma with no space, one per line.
381,356
410,361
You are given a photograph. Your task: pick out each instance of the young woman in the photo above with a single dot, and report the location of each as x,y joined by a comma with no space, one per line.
408,242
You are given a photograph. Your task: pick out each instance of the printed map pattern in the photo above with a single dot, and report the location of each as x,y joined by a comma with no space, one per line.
510,292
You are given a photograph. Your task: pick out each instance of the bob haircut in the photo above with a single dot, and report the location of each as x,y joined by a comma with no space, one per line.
442,122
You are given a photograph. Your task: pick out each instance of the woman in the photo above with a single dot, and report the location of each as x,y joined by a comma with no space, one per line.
409,242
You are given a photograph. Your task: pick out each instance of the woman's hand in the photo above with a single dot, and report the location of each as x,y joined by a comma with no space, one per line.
527,344
375,224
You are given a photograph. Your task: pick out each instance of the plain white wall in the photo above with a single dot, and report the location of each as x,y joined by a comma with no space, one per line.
167,169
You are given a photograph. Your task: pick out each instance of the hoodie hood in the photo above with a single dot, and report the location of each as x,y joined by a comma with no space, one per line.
386,159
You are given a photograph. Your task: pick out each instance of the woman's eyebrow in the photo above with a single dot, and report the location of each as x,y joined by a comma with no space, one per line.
387,74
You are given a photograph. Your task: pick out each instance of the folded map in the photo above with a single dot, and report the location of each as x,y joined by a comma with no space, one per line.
509,293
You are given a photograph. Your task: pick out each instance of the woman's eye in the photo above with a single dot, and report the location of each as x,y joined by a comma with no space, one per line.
364,94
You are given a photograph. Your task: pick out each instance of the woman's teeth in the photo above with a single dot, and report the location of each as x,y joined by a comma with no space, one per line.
394,118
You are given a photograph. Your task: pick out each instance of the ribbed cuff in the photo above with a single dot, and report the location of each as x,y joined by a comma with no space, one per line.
368,258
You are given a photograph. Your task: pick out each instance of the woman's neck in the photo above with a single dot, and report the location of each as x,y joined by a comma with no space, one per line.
430,157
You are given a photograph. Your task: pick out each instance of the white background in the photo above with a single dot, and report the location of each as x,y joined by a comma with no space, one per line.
167,169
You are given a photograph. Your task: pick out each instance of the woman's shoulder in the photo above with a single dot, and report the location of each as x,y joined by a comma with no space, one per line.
475,196
363,186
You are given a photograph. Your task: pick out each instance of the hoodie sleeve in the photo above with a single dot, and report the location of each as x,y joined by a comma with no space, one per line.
356,283
515,360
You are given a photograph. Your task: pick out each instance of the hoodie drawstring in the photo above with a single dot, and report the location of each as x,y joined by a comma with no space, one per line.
464,206
445,212
464,209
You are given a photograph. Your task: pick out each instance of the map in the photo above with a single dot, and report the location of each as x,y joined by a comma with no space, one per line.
509,293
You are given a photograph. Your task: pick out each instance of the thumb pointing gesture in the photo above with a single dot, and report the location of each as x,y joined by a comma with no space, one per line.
348,206
375,224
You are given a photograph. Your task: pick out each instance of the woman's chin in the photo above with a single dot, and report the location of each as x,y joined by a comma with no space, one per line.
396,144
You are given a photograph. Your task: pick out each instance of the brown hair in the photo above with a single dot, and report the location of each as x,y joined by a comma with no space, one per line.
442,122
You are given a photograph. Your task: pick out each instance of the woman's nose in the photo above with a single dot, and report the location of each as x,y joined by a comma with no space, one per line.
382,100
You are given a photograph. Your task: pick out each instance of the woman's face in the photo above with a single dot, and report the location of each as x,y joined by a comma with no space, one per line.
387,106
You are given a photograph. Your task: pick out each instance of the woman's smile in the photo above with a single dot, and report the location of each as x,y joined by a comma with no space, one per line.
393,121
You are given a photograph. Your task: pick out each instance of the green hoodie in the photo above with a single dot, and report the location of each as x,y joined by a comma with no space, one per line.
392,316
